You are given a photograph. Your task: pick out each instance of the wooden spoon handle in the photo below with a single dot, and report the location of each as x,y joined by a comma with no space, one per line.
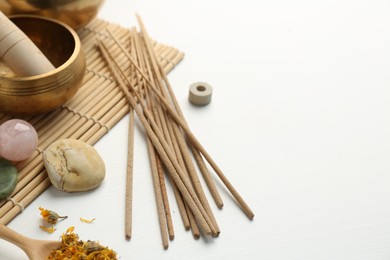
14,237
19,53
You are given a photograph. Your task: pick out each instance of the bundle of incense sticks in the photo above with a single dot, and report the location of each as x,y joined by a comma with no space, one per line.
96,108
173,149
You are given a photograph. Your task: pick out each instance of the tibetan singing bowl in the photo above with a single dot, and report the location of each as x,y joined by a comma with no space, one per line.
75,13
44,92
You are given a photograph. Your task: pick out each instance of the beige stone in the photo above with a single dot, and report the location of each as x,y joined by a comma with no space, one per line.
73,165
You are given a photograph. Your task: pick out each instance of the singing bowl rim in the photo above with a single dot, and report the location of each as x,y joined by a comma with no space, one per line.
76,52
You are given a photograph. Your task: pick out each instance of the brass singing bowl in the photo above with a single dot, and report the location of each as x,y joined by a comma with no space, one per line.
45,92
75,13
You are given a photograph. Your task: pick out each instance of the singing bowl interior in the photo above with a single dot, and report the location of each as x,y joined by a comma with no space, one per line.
45,92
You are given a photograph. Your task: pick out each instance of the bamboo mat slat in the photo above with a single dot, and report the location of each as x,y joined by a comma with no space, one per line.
97,107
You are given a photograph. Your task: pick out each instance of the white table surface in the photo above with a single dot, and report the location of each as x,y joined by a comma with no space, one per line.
299,122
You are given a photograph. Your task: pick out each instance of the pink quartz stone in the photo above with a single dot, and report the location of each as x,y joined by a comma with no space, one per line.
18,140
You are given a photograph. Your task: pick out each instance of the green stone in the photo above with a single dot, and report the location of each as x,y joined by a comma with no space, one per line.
8,178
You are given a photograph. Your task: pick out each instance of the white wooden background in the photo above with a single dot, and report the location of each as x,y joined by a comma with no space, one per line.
299,122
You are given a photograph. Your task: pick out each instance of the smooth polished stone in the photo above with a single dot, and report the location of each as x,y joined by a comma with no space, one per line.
8,178
18,140
73,165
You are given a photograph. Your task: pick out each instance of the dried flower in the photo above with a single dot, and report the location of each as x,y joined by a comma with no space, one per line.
50,216
48,229
87,220
73,248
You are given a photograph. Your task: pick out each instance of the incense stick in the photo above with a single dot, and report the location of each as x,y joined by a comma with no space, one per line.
158,196
182,148
129,178
202,166
166,154
243,205
175,140
160,171
164,151
199,189
165,201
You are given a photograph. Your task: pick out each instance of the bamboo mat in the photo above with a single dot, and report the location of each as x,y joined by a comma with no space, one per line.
97,106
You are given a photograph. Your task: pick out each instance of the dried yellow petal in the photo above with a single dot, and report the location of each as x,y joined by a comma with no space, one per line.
48,229
87,220
70,229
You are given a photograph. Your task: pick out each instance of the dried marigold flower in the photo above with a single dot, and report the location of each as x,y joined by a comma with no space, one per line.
50,216
73,248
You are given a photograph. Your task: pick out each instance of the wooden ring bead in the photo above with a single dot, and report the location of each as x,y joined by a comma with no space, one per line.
200,93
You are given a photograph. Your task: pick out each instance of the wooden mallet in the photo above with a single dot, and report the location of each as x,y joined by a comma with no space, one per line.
19,53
